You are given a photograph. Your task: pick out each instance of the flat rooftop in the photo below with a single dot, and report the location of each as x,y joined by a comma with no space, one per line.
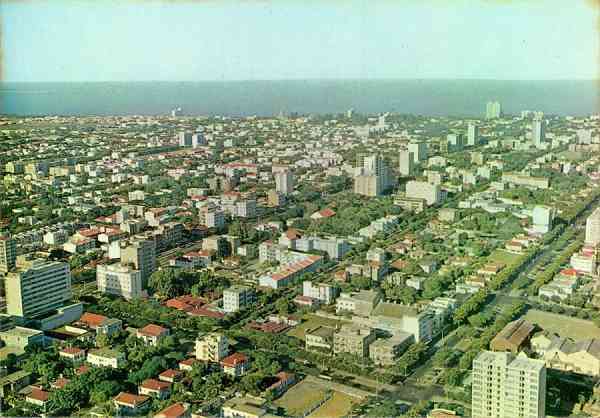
394,310
21,332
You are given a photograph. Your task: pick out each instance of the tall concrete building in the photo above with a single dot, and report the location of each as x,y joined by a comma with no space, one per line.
368,185
198,139
37,287
406,165
142,255
543,217
472,135
419,150
373,176
505,386
592,228
538,133
493,110
8,253
455,142
284,182
185,139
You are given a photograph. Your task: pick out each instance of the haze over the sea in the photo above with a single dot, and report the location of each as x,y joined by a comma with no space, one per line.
265,98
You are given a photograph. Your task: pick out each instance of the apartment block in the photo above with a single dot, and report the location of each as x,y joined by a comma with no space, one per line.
118,279
320,291
142,255
212,347
37,287
353,339
238,297
508,386
8,254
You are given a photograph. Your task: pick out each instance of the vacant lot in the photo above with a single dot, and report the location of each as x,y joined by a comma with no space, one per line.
300,397
339,405
565,326
312,321
501,256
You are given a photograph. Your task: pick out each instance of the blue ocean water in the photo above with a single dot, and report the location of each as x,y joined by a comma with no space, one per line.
264,98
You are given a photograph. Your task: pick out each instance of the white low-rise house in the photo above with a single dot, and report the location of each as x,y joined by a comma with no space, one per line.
152,334
106,358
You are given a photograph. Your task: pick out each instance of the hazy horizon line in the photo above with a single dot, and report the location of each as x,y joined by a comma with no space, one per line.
301,79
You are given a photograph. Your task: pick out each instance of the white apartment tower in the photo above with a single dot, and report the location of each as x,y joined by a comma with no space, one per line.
472,135
493,110
284,182
373,175
419,151
406,166
538,132
142,255
37,287
592,228
185,139
505,386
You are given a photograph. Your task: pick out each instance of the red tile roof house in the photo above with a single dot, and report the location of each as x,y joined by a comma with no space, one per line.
325,213
170,375
100,323
82,370
60,383
187,364
155,388
235,364
38,397
92,320
74,354
130,404
177,410
152,334
284,381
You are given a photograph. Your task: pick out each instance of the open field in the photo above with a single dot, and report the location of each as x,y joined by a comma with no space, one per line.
502,256
338,406
312,321
300,397
562,325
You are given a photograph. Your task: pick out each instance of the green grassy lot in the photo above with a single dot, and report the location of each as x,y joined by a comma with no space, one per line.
338,406
502,256
563,325
300,397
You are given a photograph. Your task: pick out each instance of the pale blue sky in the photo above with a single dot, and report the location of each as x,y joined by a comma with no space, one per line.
110,40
